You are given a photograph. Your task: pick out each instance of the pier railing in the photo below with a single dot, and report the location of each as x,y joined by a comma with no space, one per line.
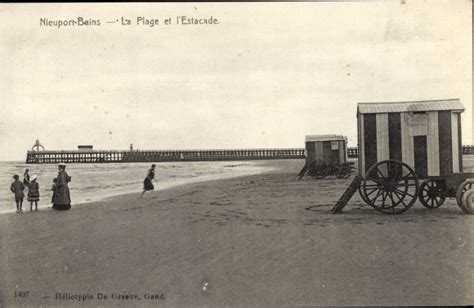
468,149
111,156
352,152
98,156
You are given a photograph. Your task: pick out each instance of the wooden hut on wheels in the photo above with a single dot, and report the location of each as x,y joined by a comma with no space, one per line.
403,142
423,134
326,155
329,148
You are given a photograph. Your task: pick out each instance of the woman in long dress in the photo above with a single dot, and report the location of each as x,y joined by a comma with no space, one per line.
62,198
147,183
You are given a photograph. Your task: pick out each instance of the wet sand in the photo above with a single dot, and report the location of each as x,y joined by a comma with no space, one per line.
263,240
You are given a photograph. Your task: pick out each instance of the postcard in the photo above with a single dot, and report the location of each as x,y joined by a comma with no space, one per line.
255,154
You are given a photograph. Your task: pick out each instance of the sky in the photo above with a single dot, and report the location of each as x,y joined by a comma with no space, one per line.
267,75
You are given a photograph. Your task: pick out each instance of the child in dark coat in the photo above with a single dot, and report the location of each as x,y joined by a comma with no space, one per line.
17,188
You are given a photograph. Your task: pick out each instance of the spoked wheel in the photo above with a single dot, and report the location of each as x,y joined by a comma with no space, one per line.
430,194
460,192
318,169
468,201
362,195
390,186
343,172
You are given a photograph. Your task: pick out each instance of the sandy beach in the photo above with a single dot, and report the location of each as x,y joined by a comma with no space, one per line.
262,240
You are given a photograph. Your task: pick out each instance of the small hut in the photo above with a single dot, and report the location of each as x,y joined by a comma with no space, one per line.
426,135
328,148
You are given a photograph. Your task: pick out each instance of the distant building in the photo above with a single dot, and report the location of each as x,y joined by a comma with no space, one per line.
85,147
37,146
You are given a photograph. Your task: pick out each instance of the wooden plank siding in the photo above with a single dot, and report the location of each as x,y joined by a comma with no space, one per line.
455,142
328,156
445,142
310,152
426,135
383,148
318,150
370,138
342,152
361,145
421,156
322,150
395,136
408,153
433,144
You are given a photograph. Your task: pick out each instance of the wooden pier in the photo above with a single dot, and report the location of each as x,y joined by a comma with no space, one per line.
98,156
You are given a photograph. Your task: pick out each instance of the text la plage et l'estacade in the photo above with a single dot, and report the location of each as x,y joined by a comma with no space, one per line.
124,21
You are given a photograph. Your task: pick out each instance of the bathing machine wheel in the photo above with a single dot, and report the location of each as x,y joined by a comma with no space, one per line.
464,201
362,195
343,171
432,194
390,186
318,169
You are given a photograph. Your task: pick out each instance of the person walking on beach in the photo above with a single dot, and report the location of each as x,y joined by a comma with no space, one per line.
147,183
26,178
33,193
62,198
17,188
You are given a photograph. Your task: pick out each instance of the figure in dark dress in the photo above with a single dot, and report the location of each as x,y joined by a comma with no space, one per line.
62,198
26,178
147,183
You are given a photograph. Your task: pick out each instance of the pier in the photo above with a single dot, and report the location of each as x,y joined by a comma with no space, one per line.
110,156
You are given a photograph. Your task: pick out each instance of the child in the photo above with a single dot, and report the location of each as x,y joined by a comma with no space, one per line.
17,188
33,193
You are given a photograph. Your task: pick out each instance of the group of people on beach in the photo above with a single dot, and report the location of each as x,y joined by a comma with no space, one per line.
61,198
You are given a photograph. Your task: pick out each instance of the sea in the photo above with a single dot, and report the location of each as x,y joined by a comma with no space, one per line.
95,182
